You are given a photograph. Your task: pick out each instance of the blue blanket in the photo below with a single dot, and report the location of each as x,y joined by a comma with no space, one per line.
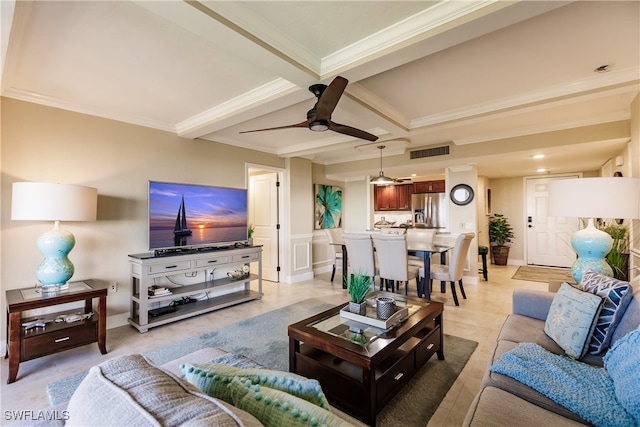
583,389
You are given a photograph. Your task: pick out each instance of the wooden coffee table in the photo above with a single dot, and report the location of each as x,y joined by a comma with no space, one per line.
361,372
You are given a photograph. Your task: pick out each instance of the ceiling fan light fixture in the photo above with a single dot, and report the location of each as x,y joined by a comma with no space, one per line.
319,125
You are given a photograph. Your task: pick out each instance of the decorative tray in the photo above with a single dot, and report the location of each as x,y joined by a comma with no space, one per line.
402,312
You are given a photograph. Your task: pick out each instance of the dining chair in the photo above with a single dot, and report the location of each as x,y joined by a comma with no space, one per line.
455,270
393,261
420,235
335,235
360,254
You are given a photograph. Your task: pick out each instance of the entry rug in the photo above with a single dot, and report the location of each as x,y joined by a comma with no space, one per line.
264,339
543,274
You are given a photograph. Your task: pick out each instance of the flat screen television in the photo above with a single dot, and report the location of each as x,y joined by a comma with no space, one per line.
185,216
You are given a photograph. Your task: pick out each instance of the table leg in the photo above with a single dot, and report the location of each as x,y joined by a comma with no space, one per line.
438,322
426,292
14,345
443,261
345,263
102,324
294,347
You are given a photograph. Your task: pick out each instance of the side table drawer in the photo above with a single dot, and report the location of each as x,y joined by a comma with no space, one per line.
428,346
42,344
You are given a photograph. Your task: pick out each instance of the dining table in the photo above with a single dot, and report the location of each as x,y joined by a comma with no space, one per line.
424,250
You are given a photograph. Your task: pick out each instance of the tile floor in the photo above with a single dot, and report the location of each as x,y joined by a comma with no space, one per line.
478,318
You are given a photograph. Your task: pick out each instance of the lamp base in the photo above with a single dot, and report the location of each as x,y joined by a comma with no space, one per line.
591,245
55,269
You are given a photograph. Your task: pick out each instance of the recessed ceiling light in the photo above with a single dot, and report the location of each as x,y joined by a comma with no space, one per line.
538,156
414,174
541,170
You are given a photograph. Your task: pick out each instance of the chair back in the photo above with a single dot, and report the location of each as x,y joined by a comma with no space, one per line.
392,256
421,235
334,235
459,256
360,251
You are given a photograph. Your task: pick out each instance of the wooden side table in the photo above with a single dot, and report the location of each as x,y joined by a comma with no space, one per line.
25,344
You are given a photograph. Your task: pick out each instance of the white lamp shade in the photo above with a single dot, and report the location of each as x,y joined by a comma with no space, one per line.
41,201
601,197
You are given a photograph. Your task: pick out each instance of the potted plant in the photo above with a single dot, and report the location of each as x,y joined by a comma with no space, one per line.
359,287
500,235
250,234
618,256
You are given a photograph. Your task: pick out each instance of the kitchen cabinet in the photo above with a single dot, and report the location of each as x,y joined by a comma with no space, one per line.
393,197
429,186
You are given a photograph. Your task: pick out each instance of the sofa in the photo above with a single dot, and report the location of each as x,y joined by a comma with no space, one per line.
132,390
505,401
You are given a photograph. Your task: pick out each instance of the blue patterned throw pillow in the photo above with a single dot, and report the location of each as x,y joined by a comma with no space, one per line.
572,318
616,295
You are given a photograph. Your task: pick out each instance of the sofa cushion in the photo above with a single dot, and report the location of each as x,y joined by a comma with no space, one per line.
214,378
582,388
622,362
495,407
631,318
130,390
572,319
516,388
616,296
275,408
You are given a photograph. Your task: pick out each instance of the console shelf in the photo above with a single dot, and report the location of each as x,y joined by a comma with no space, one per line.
148,269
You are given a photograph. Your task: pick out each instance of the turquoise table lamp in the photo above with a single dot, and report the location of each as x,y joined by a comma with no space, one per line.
40,201
602,198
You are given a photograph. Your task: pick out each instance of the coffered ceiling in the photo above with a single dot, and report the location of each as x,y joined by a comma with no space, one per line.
496,81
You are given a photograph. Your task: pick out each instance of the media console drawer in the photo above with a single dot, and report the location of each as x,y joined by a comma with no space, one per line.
168,267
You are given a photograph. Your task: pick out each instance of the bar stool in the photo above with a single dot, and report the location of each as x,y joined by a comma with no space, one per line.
483,251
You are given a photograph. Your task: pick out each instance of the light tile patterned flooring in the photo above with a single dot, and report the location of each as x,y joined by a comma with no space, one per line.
478,318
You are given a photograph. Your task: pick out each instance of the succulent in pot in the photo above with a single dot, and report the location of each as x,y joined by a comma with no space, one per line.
359,287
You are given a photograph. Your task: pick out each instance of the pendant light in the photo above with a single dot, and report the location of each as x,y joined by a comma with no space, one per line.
381,179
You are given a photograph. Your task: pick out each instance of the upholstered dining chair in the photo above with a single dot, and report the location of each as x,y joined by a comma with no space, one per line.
420,235
360,254
393,265
455,270
335,235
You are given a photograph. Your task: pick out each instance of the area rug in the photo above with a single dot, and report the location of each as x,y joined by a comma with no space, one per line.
543,274
264,339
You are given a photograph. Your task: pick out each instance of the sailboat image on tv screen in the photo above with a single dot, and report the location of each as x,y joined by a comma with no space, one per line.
181,228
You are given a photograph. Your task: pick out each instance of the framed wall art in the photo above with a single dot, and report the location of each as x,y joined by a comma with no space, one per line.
327,206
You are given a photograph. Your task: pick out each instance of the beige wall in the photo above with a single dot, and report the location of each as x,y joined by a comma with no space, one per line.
47,144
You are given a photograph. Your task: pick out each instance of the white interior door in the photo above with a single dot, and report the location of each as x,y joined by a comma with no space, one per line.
263,214
548,238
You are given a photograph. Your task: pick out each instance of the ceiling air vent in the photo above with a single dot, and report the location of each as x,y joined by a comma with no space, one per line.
429,152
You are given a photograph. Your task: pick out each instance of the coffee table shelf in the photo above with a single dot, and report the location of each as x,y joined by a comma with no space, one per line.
362,380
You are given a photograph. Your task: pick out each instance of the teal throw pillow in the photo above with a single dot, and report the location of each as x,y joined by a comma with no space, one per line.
275,408
572,318
616,296
213,379
622,363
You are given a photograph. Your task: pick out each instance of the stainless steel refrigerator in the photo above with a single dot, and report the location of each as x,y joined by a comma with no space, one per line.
429,210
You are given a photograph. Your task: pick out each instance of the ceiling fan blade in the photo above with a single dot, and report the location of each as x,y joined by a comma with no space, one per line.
351,131
298,125
330,97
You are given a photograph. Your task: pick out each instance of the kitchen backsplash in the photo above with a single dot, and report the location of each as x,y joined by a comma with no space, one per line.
396,218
